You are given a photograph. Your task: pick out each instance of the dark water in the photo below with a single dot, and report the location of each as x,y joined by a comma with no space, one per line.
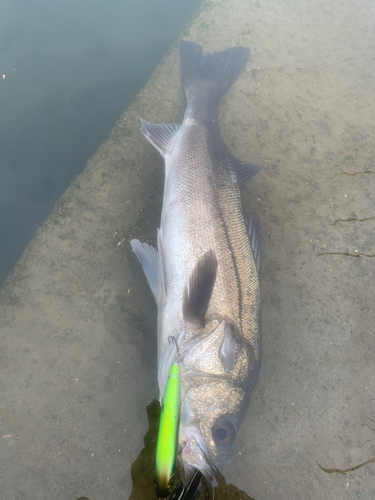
70,70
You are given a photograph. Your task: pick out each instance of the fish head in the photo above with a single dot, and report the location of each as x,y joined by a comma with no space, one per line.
215,393
207,435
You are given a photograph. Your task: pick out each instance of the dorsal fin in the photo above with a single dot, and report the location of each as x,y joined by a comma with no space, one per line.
253,230
160,136
244,171
201,284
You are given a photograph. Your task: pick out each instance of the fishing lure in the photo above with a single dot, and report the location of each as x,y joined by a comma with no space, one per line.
190,491
166,446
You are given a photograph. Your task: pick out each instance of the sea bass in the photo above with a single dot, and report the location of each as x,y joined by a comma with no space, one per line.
204,274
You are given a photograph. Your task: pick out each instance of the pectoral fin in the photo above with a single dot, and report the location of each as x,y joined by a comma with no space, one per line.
201,284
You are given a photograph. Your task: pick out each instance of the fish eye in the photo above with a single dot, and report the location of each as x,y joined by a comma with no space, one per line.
223,432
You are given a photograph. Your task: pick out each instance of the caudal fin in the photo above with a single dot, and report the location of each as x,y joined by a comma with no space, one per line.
217,71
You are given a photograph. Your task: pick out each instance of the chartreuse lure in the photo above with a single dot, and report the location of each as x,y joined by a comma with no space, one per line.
166,446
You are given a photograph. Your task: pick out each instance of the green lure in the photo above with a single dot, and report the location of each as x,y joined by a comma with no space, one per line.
166,447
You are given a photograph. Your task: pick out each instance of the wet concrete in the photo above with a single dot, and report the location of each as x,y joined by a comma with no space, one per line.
77,364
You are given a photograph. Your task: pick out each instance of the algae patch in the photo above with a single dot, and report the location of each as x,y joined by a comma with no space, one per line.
359,254
344,471
142,470
351,219
342,172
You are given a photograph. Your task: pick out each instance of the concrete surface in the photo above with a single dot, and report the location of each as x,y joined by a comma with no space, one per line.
77,360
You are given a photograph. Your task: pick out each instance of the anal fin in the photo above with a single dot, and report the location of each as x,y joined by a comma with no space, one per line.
160,136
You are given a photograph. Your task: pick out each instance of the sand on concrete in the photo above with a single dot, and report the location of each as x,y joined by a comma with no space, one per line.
78,345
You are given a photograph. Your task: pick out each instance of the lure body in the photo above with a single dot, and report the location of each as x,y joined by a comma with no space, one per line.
166,447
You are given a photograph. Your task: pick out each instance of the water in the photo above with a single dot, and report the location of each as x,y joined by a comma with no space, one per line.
70,68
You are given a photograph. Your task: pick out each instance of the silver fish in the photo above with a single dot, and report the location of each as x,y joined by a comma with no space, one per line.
205,274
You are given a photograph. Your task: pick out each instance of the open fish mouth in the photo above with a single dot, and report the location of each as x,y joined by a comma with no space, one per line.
193,455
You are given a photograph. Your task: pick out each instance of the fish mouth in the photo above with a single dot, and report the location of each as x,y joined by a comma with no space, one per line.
193,455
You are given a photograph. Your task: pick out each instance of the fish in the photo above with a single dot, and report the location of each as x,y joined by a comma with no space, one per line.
205,272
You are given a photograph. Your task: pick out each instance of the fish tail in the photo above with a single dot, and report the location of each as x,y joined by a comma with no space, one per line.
213,72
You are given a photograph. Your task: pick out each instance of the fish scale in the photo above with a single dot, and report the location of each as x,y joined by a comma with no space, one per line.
210,215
